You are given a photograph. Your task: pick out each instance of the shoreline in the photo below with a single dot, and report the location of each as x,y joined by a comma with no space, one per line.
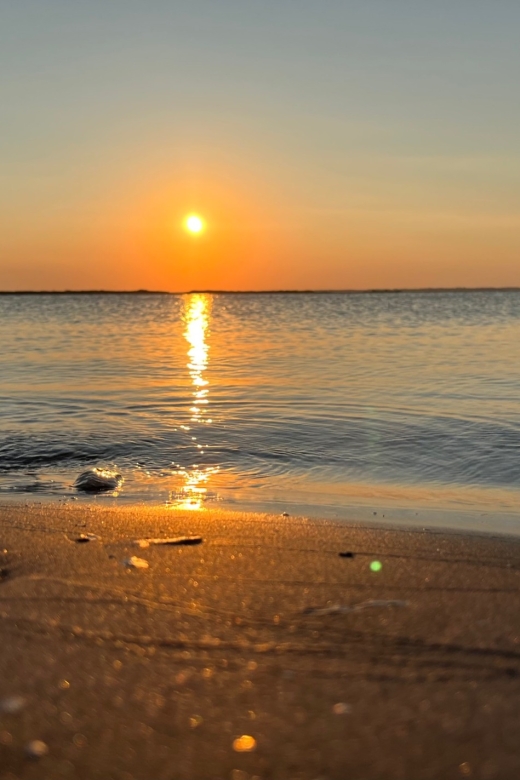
414,510
334,666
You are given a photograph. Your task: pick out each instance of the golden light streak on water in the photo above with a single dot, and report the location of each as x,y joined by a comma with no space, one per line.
195,479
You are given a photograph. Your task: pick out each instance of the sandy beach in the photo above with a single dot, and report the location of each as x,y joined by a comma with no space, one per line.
400,659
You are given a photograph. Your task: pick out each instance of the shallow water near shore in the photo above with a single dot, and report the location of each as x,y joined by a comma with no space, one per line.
333,405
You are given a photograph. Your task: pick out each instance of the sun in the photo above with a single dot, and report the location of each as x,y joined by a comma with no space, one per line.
194,223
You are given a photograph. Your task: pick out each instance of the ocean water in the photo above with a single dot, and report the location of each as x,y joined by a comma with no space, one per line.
336,405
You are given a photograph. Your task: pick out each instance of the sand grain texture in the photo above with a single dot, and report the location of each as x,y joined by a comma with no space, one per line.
156,673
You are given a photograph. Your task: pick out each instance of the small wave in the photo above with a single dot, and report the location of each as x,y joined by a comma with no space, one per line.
36,486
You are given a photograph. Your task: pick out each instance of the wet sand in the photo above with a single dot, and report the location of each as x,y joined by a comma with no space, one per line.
333,668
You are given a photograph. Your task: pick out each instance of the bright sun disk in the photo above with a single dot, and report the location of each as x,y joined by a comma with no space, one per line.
194,224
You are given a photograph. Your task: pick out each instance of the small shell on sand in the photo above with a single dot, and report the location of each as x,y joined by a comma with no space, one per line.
36,749
98,480
84,538
244,744
136,563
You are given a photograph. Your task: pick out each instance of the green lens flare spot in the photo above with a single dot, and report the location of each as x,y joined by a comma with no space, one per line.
376,566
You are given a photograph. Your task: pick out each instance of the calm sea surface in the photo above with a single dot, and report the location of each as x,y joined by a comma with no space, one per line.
339,405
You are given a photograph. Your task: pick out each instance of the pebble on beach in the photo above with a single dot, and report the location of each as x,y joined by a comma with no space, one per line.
98,480
36,749
341,708
244,744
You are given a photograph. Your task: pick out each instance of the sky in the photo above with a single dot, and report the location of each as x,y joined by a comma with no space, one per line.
331,144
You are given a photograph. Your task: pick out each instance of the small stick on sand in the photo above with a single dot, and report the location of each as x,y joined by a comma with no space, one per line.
172,540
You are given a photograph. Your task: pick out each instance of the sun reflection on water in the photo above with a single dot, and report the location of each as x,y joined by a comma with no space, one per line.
194,490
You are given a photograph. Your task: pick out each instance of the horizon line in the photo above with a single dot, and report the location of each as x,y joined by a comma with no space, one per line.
310,291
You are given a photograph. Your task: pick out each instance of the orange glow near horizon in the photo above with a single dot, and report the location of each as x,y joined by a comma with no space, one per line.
257,234
201,233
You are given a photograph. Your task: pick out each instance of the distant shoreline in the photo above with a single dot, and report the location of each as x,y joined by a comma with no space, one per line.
383,291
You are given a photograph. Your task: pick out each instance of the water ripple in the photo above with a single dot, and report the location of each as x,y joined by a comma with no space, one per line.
196,396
